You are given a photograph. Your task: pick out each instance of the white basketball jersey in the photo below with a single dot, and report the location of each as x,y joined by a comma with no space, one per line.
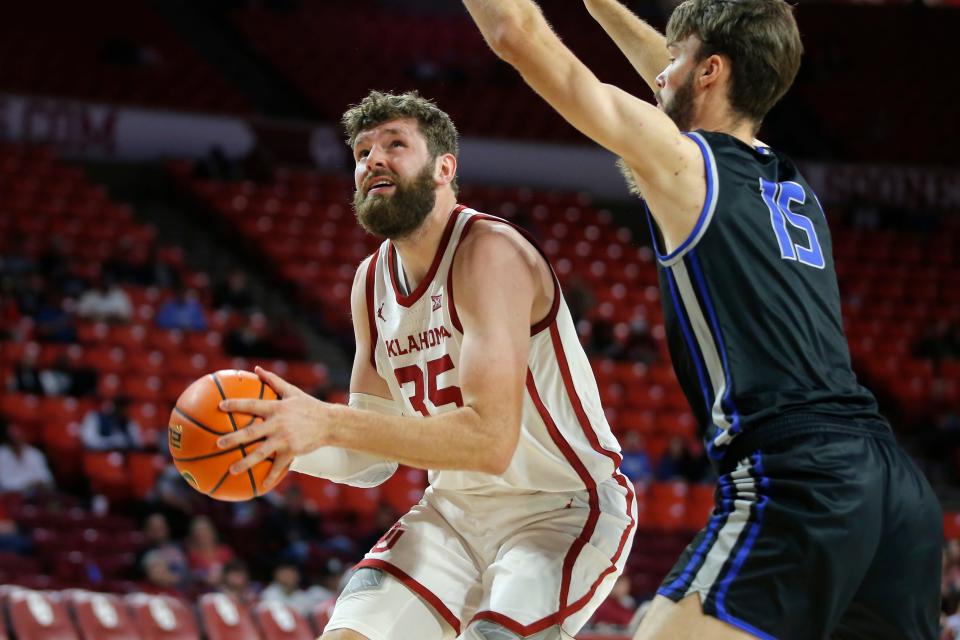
565,442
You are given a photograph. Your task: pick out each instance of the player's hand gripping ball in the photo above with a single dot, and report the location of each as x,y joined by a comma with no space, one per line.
197,422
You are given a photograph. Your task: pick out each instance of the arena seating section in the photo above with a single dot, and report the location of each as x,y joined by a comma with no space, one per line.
445,56
305,227
55,49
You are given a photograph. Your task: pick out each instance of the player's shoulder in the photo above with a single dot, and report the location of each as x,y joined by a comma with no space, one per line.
365,265
362,275
491,235
492,241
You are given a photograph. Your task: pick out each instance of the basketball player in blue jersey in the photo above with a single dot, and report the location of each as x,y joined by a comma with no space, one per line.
823,527
467,365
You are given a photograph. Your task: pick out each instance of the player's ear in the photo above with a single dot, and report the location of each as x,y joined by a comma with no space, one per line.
446,168
711,69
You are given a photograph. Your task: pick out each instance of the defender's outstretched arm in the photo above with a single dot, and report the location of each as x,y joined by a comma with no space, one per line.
643,45
667,165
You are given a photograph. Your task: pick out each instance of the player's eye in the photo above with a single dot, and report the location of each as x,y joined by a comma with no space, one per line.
363,153
397,143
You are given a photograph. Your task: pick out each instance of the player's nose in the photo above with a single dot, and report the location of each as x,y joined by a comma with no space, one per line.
376,156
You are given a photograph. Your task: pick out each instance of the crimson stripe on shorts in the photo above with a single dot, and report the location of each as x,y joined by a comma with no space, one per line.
591,436
591,486
432,599
567,610
371,318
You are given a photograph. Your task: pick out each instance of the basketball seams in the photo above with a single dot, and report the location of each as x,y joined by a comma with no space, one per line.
233,423
207,456
199,424
223,478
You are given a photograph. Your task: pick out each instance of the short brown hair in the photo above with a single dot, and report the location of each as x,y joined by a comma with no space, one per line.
377,108
759,37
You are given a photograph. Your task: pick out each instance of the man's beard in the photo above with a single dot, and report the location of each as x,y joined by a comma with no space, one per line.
397,215
680,108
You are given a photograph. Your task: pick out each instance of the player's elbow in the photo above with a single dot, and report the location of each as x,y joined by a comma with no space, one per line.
508,41
500,454
498,461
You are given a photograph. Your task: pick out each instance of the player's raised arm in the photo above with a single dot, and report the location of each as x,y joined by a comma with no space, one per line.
643,45
667,166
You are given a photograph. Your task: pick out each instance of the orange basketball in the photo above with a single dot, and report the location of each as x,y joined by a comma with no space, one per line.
197,422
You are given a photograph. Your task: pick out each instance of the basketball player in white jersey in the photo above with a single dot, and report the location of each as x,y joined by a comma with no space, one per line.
467,365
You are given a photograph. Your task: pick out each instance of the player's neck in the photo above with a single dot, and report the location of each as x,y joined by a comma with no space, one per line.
721,119
418,249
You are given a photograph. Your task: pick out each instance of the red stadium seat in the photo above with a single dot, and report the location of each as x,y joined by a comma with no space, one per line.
101,616
144,468
224,619
277,621
699,506
322,495
39,616
162,617
361,501
404,489
107,471
667,505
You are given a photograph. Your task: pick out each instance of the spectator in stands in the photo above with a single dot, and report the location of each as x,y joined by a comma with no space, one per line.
634,343
59,380
173,497
216,165
14,262
286,588
53,322
636,461
291,526
23,468
384,518
111,428
940,340
160,577
105,302
950,579
206,554
950,624
616,613
54,268
182,311
235,582
26,373
601,338
30,293
252,340
141,266
678,463
233,293
156,530
11,539
579,298
68,379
